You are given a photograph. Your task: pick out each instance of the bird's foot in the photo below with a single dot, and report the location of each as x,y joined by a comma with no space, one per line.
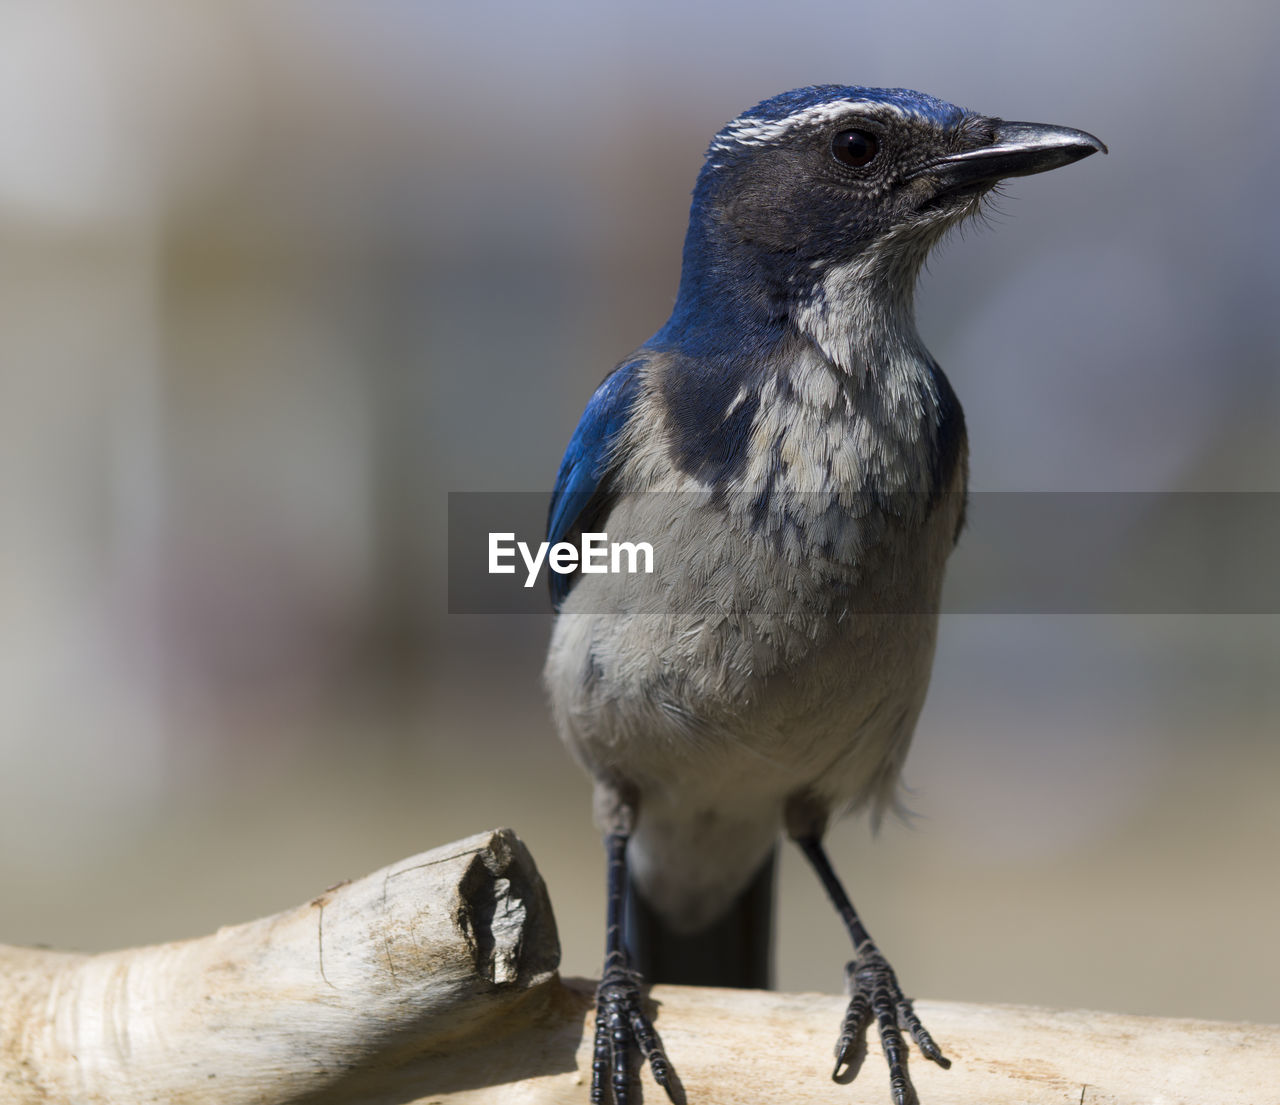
874,993
621,1022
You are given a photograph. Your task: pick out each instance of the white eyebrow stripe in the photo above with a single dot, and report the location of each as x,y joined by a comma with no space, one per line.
750,131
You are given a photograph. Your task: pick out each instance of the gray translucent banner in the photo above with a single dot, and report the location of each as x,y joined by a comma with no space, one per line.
1019,553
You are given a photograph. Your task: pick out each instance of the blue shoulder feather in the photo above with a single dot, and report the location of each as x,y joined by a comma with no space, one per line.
585,488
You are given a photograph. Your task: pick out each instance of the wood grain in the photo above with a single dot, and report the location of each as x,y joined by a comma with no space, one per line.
433,981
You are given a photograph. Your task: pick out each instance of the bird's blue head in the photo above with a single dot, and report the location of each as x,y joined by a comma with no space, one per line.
837,179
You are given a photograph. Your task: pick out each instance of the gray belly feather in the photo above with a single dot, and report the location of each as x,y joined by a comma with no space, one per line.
740,673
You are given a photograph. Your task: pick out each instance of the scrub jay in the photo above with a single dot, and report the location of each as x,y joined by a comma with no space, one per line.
799,463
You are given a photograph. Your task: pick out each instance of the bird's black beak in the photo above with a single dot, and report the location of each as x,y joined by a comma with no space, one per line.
1016,149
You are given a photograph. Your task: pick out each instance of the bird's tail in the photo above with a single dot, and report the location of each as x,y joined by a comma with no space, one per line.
734,951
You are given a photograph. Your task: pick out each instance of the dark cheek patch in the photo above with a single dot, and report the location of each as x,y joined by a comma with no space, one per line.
768,212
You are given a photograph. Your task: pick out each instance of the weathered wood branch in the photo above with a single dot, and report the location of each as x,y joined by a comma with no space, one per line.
409,958
433,981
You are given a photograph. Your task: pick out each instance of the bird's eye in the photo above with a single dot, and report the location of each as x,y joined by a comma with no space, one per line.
854,148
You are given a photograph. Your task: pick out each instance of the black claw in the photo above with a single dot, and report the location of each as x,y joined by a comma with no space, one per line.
851,1047
600,1056
930,1050
904,1094
874,993
621,1022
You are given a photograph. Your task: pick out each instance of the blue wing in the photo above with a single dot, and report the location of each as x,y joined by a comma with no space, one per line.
585,487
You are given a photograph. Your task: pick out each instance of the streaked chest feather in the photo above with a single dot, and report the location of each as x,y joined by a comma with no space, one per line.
830,457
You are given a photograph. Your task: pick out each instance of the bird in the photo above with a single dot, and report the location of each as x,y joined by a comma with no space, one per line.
798,463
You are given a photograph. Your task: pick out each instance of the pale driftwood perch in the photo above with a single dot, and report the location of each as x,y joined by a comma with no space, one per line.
432,983
412,957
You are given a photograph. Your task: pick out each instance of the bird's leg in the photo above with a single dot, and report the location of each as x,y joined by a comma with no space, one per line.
620,1016
873,992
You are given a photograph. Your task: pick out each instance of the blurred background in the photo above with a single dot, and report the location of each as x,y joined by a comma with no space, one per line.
276,278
